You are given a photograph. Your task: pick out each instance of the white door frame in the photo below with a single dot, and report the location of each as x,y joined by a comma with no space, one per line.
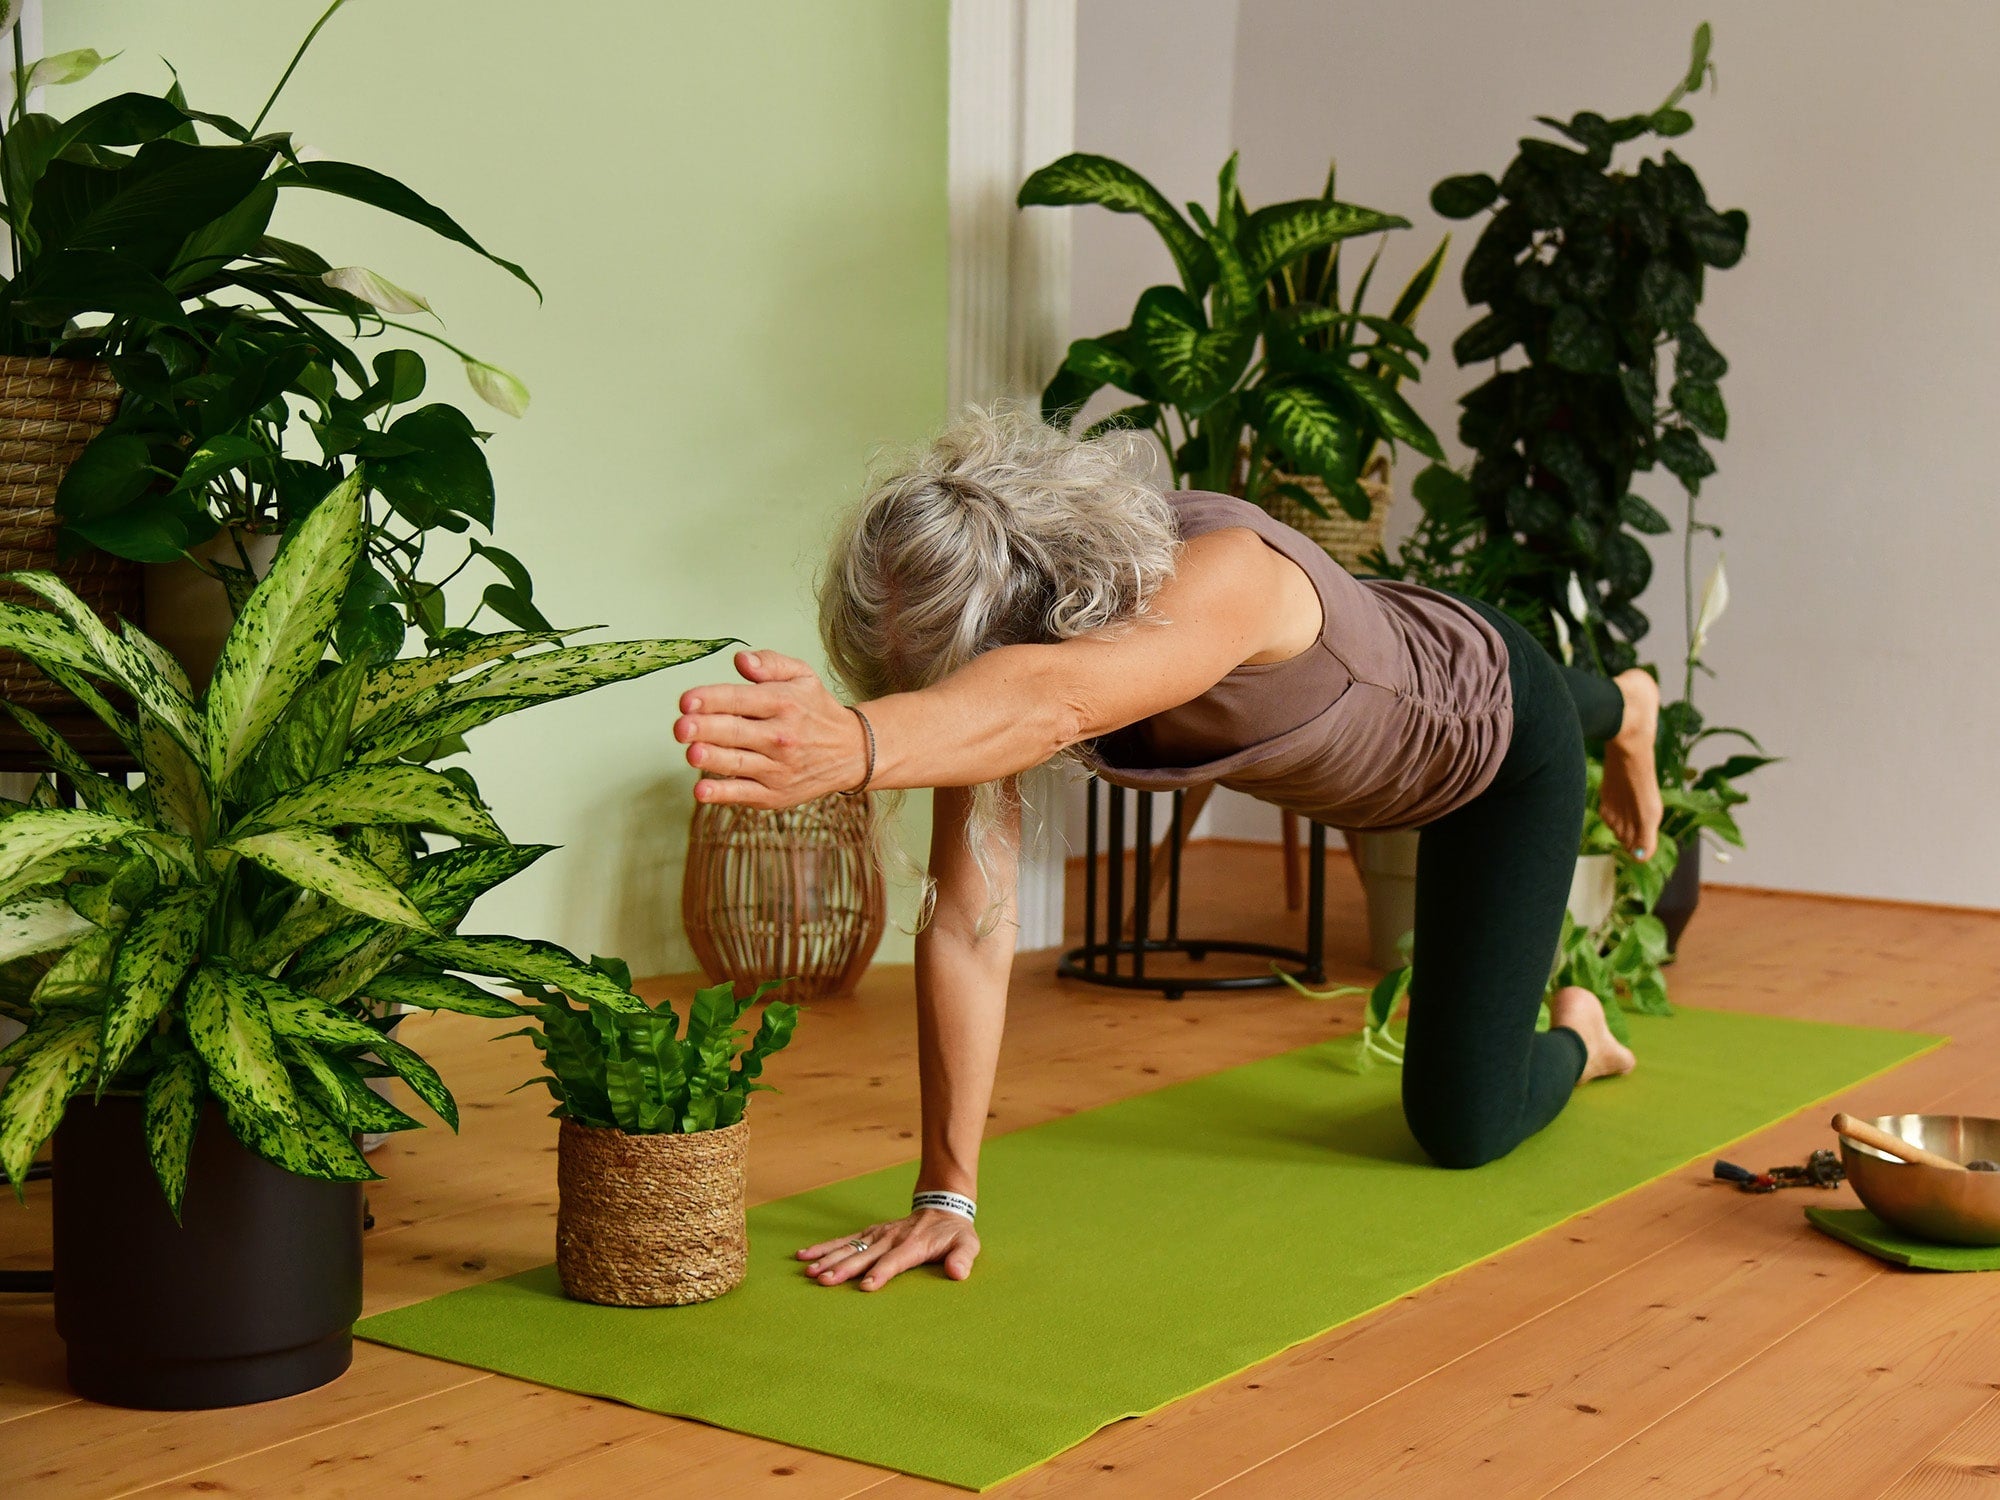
1013,108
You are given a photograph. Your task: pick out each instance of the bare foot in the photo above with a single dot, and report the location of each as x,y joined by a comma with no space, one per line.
1583,1013
1630,798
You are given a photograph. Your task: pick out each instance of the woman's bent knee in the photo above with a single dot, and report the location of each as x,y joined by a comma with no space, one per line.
1458,1144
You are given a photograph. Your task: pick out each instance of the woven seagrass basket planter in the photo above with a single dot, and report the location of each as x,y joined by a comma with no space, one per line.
795,895
651,1220
1342,537
49,409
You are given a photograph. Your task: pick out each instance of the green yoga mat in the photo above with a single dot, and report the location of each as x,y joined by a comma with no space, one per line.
1135,1253
1862,1230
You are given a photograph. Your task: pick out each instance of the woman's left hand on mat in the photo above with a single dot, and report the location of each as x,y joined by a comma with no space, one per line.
777,739
928,1235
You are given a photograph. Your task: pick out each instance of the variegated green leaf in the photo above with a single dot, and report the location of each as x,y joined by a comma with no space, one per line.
421,1077
230,1027
283,628
82,976
159,947
61,1062
98,792
320,862
80,688
133,667
1275,236
434,991
338,1088
38,924
1083,178
161,660
392,682
389,741
175,1095
175,782
311,1145
305,921
46,641
1395,416
29,837
366,795
526,961
309,1021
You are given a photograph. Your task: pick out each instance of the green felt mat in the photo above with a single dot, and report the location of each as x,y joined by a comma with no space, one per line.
1864,1231
1135,1253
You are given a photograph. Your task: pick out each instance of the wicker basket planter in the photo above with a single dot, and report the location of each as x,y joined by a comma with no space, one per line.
792,895
651,1220
49,409
1338,534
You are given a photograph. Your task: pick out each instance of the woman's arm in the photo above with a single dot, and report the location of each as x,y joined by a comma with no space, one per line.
964,959
782,739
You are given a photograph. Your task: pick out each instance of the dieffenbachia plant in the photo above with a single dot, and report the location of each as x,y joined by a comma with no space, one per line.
218,930
1251,368
612,1066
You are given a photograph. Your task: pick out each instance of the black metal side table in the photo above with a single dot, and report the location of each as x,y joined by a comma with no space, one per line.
1119,961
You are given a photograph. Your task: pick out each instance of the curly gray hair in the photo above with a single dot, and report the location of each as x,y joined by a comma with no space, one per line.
1003,531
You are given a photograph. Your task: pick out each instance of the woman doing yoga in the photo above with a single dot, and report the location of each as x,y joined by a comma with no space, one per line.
1012,595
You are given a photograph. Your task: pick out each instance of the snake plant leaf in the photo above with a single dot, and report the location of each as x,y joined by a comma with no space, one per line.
1276,235
1395,415
320,862
1083,178
380,794
97,792
61,1061
159,948
392,682
1194,364
1314,436
429,990
27,838
135,668
175,1095
337,1087
231,1027
526,961
38,924
311,1145
282,630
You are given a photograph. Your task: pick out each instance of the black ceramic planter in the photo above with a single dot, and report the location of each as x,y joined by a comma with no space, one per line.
251,1297
1682,894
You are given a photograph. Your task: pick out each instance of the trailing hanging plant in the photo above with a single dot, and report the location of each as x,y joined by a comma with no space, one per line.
140,230
1252,367
618,1068
1591,274
218,931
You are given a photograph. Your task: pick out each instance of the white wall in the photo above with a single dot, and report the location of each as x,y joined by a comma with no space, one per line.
1861,328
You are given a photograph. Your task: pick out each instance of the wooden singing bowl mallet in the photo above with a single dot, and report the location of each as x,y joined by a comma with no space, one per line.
1847,1126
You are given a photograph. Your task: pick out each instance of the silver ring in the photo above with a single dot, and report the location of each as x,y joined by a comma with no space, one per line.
857,1246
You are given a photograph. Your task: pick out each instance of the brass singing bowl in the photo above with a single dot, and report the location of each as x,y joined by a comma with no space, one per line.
1932,1203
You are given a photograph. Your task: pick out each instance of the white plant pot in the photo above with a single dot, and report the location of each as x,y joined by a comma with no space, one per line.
187,610
1593,888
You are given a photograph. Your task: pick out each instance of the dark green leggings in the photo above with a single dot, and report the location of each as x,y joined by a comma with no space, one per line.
1493,879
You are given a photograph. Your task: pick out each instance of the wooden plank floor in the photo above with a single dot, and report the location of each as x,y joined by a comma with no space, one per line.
1684,1340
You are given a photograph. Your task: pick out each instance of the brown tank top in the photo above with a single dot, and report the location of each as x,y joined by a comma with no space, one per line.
1399,713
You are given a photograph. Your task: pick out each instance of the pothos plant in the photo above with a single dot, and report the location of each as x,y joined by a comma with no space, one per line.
141,236
1590,275
217,931
617,1068
1251,368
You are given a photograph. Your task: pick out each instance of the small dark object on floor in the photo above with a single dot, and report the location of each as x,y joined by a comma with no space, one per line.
1982,1165
1821,1170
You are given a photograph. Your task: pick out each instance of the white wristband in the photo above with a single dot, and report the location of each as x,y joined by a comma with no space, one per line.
951,1203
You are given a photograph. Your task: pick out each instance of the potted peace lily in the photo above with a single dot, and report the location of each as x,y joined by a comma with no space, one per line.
650,1162
196,960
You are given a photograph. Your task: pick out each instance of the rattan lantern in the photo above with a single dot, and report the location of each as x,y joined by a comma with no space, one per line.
785,895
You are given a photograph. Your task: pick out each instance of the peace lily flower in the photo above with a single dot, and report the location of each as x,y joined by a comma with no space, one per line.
60,67
1579,606
379,292
1714,600
1562,637
497,388
10,17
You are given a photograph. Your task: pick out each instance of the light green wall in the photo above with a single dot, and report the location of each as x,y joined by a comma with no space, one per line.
737,212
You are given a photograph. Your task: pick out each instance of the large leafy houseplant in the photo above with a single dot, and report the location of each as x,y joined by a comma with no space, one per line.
141,236
213,932
1591,275
1252,368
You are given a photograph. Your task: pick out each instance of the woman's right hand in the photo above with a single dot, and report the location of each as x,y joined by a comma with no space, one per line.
928,1235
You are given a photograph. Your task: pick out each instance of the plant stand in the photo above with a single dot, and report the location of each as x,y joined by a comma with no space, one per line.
1120,961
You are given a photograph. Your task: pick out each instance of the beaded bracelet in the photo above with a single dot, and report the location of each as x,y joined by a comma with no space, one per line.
951,1203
